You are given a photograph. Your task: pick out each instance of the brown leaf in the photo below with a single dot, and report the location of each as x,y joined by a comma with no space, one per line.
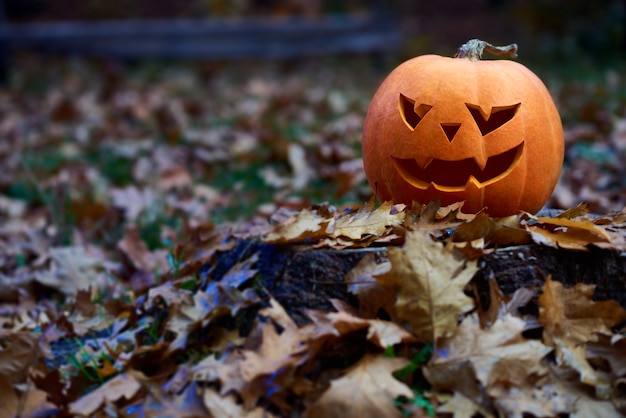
268,369
133,200
533,397
138,253
497,354
381,333
122,386
567,233
366,222
500,305
71,269
500,231
306,224
368,389
175,177
564,383
460,406
571,314
609,349
372,296
25,405
18,354
430,282
571,318
228,407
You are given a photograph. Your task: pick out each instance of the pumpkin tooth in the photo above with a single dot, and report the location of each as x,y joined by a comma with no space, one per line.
425,162
481,161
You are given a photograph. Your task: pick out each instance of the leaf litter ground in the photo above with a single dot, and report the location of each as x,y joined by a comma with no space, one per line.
122,189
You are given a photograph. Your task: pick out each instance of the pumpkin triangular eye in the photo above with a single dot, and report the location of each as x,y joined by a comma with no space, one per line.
498,117
410,114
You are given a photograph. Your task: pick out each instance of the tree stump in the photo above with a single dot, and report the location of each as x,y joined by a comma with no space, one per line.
301,277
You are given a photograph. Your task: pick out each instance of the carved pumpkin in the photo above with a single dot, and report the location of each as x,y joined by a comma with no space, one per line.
460,129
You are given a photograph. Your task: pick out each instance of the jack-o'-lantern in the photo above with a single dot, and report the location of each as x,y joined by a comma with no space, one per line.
461,129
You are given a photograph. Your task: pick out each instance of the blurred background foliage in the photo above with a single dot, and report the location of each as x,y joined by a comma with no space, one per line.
281,133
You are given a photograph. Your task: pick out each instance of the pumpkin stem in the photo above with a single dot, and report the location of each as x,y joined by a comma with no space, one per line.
473,50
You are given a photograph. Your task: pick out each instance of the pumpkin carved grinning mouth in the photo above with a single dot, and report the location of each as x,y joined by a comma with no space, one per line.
454,175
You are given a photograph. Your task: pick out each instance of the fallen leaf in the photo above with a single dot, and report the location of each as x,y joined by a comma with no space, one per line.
500,305
564,382
460,406
368,389
571,319
71,269
228,407
500,231
499,354
430,281
306,224
570,314
381,333
27,404
573,234
138,253
18,353
609,349
372,296
122,386
366,222
268,369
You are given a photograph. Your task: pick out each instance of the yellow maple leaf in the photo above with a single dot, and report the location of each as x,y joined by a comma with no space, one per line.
430,280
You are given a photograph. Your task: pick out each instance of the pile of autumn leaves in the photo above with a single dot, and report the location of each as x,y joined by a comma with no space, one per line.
195,347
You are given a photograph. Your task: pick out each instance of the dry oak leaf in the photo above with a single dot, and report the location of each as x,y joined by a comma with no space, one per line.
570,313
277,350
366,222
379,332
567,233
430,281
267,370
564,382
31,403
18,353
611,349
497,354
531,398
228,407
133,247
121,386
460,406
500,304
306,224
372,296
571,319
71,269
367,390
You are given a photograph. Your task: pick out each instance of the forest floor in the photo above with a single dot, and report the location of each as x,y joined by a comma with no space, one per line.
122,187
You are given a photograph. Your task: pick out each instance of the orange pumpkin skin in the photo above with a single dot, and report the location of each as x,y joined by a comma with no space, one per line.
452,129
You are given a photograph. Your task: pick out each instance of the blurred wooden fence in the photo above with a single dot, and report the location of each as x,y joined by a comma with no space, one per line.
251,37
267,38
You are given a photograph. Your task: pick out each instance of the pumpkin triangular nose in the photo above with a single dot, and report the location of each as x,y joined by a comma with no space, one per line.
450,129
